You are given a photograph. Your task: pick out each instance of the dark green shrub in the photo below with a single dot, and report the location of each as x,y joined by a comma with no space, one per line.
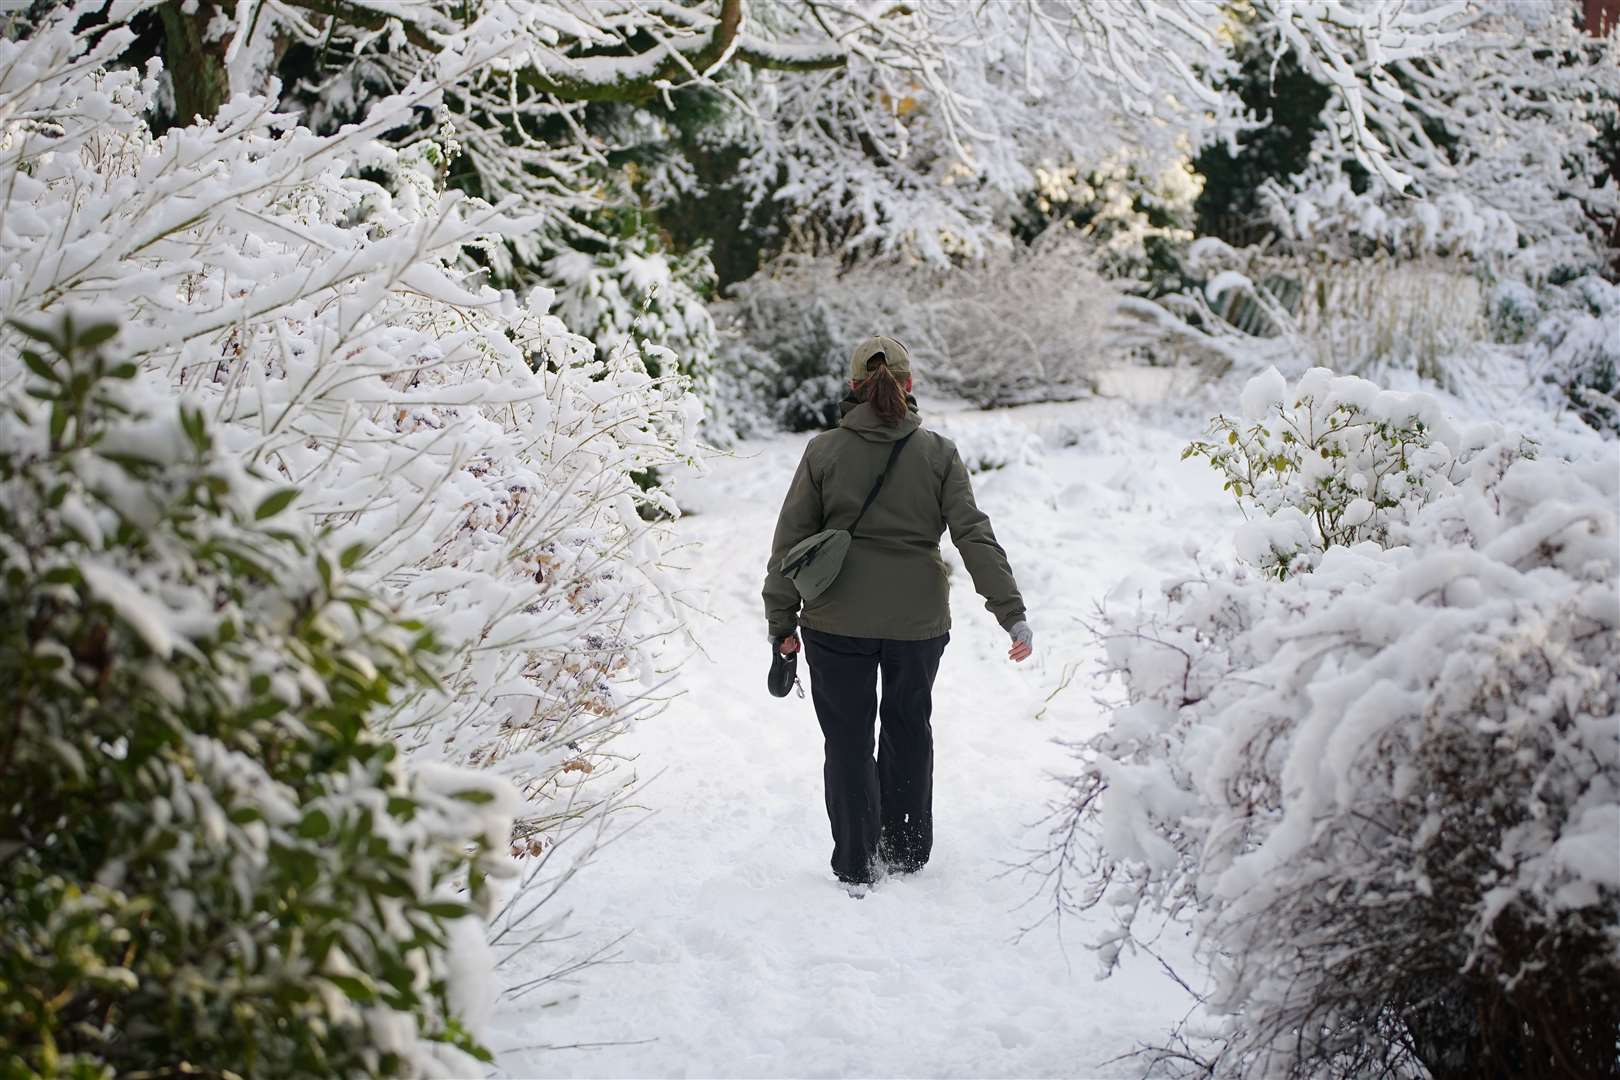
209,860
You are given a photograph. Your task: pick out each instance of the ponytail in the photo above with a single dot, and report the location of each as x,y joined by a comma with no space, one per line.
883,390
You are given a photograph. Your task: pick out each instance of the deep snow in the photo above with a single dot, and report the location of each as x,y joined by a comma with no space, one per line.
744,957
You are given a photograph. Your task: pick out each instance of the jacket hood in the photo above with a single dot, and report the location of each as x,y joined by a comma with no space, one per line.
862,419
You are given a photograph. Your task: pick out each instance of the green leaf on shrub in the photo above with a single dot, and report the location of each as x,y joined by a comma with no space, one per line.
315,825
38,366
391,887
97,335
275,504
42,336
356,989
131,462
264,709
192,423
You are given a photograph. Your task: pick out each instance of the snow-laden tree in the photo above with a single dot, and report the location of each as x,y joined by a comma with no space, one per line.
212,857
1482,140
927,136
1383,791
940,111
330,329
894,125
857,128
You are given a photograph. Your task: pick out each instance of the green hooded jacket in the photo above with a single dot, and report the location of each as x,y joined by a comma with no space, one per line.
893,584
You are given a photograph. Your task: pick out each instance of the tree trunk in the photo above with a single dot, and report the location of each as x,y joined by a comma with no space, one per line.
196,67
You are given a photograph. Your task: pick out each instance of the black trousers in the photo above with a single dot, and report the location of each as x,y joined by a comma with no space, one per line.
883,808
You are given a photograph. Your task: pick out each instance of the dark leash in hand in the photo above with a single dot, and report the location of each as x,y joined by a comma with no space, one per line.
784,675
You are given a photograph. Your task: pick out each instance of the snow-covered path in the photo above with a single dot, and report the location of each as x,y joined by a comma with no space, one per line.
744,958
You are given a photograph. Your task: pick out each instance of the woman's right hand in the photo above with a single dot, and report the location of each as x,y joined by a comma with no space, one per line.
788,645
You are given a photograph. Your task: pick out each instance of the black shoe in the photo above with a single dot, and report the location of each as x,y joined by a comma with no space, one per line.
856,887
784,672
895,863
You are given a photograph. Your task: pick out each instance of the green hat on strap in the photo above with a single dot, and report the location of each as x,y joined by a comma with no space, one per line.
895,355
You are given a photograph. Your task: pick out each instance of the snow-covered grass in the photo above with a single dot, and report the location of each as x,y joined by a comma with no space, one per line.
743,956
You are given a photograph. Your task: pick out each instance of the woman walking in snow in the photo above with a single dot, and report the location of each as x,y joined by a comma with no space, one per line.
887,608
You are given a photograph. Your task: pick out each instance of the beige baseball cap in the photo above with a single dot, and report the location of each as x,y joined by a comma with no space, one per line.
895,355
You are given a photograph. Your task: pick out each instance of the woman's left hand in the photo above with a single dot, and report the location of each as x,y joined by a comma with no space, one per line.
788,645
1023,642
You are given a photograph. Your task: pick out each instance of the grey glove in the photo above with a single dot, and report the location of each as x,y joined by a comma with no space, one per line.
1021,633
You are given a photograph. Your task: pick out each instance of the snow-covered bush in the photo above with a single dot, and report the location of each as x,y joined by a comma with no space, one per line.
1576,348
1513,311
328,326
986,445
784,349
1328,216
1137,225
634,297
211,856
1384,793
1018,326
1331,461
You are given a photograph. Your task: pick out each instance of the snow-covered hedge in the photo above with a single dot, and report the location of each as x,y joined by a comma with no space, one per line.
329,328
1384,793
211,857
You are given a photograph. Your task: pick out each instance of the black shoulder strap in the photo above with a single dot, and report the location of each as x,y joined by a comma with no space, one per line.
872,495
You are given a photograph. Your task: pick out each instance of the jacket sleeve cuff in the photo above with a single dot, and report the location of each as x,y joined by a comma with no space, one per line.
1010,621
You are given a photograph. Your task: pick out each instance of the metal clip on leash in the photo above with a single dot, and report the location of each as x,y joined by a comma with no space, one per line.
799,686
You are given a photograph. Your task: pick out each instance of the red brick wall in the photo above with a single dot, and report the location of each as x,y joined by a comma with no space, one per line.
1601,16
